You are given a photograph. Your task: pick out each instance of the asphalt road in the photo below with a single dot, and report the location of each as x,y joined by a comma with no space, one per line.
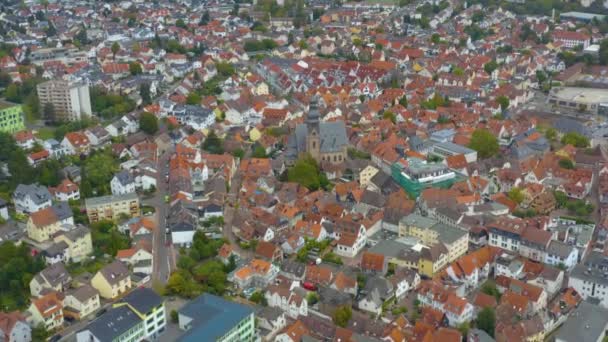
163,252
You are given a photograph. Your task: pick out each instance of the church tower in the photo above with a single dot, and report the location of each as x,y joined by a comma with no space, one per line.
313,140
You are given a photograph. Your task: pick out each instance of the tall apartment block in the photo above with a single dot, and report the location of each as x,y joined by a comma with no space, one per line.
71,101
11,117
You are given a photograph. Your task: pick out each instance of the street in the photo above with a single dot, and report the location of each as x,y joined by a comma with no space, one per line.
164,259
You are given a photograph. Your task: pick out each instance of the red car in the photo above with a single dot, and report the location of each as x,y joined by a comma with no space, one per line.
309,286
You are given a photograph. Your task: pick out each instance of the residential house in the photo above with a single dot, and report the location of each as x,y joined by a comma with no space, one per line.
66,191
76,143
283,297
78,241
122,183
43,224
257,272
47,311
81,302
14,327
112,280
138,258
269,251
31,198
374,263
53,278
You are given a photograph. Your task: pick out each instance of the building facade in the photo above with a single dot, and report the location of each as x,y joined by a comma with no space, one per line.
111,207
11,117
70,101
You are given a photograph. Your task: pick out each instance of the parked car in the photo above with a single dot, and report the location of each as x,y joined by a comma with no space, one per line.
309,286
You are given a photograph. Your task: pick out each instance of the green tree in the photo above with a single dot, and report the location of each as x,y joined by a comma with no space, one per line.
144,92
115,48
306,173
551,134
603,53
435,38
174,316
403,101
342,315
566,163
48,111
503,101
148,123
575,139
135,68
193,99
484,142
490,67
259,152
486,320
212,276
213,144
516,195
225,69
561,198
489,288
97,173
389,116
12,93
205,18
181,24
258,298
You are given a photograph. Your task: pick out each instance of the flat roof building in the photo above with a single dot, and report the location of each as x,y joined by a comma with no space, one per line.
591,100
587,323
212,318
11,117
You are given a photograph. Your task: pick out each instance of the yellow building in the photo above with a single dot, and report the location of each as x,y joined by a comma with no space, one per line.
46,311
81,302
432,259
41,225
431,232
255,134
112,281
366,175
112,207
80,244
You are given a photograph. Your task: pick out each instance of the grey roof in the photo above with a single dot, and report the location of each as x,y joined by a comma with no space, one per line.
448,234
115,272
269,313
62,210
55,274
212,317
293,267
56,249
559,249
77,233
83,293
124,177
39,194
389,248
419,221
590,275
332,137
479,335
457,149
587,323
143,299
380,284
113,323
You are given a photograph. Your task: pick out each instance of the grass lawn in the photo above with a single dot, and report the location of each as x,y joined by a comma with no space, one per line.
45,133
